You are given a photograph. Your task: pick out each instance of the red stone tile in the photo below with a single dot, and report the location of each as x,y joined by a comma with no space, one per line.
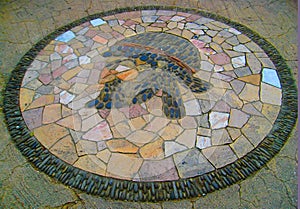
220,59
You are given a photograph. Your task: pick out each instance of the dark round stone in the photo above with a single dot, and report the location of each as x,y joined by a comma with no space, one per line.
153,56
153,64
144,57
92,103
108,105
107,54
134,100
100,105
106,97
144,97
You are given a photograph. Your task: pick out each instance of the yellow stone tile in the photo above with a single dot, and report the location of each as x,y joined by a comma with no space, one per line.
122,146
26,97
253,79
51,113
153,150
65,150
50,134
42,101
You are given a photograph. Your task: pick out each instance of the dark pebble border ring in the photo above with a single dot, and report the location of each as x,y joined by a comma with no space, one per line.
151,103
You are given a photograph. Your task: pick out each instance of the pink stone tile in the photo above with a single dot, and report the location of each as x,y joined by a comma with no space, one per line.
161,170
193,18
64,49
33,118
220,59
91,33
45,78
58,72
104,113
130,23
99,132
198,44
136,110
164,18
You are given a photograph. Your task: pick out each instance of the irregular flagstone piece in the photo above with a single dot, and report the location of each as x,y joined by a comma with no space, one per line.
154,106
219,156
128,75
66,37
99,132
270,76
101,145
218,120
250,93
173,147
137,123
234,133
65,150
136,110
157,124
203,142
86,112
91,122
121,130
100,39
191,163
72,122
207,66
232,99
187,138
220,59
221,106
122,146
92,164
252,79
188,122
250,109
241,146
33,117
85,147
241,48
97,22
192,107
26,97
206,106
52,113
104,155
153,150
29,76
242,71
237,86
171,131
238,118
220,137
270,111
160,170
256,129
253,63
141,137
42,101
238,61
50,134
66,97
270,94
204,131
123,166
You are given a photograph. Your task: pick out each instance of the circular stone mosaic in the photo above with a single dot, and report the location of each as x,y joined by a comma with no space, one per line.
151,104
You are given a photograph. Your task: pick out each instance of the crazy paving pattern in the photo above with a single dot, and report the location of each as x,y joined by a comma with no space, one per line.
151,96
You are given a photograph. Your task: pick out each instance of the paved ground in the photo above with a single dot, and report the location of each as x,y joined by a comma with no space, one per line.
24,23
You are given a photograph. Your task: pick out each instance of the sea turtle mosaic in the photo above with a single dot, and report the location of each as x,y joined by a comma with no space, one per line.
144,54
151,104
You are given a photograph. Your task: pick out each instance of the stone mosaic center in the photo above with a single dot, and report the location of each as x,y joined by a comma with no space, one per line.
148,105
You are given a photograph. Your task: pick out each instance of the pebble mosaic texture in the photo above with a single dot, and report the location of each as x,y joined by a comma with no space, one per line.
151,105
